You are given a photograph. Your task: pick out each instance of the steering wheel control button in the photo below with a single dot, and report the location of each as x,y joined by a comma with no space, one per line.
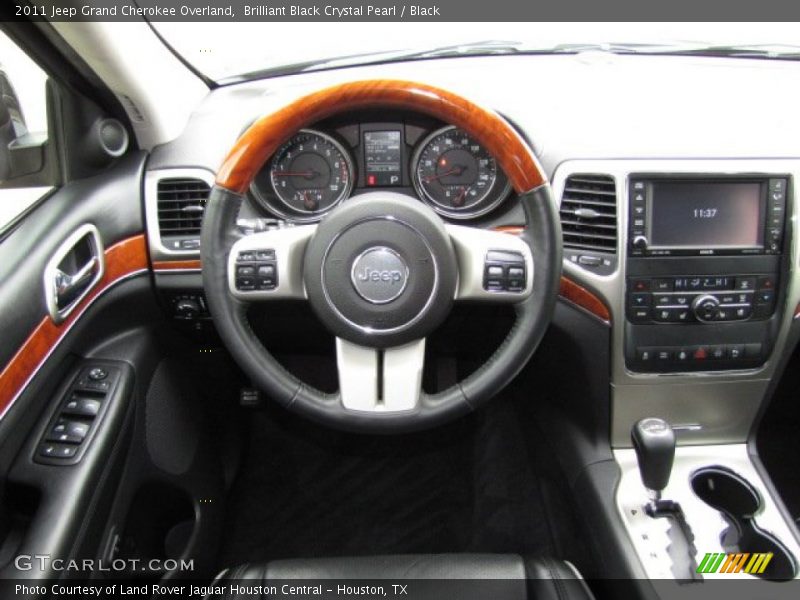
262,255
495,272
256,270
379,275
504,271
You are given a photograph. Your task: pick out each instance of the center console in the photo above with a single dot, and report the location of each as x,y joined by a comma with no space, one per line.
703,270
701,309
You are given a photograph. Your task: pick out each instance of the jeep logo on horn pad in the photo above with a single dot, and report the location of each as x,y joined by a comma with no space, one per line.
379,275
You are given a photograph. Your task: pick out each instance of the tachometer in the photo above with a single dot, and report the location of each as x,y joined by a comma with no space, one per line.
456,175
309,174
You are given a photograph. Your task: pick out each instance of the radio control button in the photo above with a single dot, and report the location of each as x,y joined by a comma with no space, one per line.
639,185
663,355
723,314
706,308
745,283
736,351
663,315
640,299
766,283
777,205
777,194
765,297
662,299
663,285
777,185
716,352
694,283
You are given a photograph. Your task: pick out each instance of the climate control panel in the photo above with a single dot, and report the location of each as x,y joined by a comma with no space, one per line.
701,299
712,321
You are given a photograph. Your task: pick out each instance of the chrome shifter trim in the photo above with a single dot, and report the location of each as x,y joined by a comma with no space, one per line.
648,535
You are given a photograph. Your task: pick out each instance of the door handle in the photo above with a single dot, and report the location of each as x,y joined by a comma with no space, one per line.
70,285
75,268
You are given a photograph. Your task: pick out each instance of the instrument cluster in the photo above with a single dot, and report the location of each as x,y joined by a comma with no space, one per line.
316,169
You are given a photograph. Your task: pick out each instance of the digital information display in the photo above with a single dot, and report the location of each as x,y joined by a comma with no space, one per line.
382,158
689,214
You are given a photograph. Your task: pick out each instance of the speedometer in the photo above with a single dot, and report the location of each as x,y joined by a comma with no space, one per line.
309,175
456,175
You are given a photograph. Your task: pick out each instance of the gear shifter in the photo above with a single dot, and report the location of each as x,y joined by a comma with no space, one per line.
654,443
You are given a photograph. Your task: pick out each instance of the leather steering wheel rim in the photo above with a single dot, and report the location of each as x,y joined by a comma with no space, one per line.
542,235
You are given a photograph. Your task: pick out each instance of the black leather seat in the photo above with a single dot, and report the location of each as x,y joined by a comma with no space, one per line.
503,576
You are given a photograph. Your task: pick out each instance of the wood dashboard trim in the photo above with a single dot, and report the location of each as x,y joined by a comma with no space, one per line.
123,260
269,132
580,296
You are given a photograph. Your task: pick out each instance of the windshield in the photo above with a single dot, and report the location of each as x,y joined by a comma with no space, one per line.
222,51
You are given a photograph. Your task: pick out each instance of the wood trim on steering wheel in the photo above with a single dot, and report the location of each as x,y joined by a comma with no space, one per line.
266,135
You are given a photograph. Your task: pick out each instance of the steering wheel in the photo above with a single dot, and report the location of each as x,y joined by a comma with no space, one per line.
381,271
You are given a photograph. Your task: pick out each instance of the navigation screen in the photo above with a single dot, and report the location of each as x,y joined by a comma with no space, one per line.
382,158
691,214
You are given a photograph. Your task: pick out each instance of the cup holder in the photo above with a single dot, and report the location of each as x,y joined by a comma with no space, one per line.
738,501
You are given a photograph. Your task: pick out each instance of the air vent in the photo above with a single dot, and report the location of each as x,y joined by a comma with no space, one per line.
589,213
181,203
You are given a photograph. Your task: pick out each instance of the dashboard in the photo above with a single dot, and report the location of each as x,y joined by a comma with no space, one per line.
701,357
322,166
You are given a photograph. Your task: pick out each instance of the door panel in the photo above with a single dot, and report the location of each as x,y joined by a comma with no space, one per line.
111,202
48,508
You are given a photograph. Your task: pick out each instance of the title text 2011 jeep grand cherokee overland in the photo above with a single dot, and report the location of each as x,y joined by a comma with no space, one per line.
504,324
